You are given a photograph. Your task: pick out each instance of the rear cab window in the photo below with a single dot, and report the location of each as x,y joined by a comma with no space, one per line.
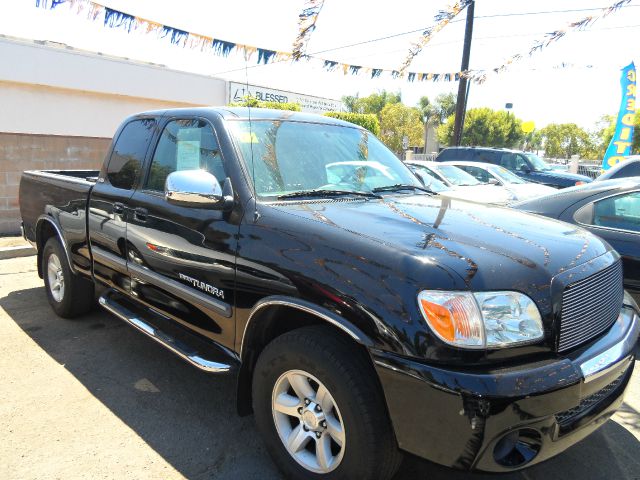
129,151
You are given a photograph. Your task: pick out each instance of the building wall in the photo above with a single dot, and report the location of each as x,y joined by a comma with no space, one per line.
19,151
59,108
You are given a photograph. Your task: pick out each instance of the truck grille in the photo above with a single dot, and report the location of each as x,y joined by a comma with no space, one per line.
566,417
590,306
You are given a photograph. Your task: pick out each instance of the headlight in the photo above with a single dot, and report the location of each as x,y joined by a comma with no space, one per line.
482,319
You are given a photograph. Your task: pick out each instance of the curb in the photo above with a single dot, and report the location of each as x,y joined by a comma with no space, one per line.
15,252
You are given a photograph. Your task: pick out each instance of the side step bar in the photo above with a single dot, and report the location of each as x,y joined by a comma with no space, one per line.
200,353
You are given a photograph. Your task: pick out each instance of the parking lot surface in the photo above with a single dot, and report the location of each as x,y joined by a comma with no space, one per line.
93,398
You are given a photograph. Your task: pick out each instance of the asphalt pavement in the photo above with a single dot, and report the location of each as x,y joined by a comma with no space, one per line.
93,398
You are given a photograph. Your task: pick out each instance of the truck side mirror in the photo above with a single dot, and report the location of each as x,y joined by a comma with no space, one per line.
198,188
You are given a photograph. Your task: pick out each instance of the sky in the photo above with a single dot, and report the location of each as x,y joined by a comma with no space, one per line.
576,79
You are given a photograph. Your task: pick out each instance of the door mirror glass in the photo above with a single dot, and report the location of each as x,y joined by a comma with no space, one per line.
193,188
493,181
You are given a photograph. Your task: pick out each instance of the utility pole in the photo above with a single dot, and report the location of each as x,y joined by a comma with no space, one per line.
461,103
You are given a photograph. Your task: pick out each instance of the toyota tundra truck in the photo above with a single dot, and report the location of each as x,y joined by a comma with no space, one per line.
361,315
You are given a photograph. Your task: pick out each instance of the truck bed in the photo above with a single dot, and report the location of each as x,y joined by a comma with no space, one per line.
59,194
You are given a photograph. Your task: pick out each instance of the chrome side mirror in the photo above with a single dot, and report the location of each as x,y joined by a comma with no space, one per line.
197,188
493,181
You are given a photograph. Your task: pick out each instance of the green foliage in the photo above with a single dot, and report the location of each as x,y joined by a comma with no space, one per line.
374,103
437,112
365,120
566,139
398,120
485,127
253,102
635,148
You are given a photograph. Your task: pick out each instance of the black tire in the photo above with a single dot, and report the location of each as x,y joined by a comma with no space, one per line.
371,450
77,297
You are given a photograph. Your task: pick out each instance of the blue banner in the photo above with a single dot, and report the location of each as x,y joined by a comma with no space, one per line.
620,146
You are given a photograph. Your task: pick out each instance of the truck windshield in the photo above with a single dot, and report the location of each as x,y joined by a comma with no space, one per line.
538,163
285,157
505,175
456,176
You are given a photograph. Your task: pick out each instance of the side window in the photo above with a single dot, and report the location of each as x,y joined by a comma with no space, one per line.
513,162
486,156
185,144
630,170
128,153
621,212
479,173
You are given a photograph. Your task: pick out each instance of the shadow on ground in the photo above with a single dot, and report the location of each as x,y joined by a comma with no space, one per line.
189,417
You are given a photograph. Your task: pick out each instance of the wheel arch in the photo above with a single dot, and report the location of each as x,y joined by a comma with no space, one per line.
274,316
46,227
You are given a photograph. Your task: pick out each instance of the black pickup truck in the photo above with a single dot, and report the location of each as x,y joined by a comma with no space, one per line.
361,314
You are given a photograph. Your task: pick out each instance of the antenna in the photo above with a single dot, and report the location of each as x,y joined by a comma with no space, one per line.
253,168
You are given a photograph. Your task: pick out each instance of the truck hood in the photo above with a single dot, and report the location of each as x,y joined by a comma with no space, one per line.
488,247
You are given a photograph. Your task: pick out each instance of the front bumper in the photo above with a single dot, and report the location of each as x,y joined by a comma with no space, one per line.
505,419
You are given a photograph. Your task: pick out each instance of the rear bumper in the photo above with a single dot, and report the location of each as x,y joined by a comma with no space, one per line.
500,421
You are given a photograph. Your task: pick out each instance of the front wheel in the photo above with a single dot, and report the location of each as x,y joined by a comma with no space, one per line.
320,410
69,295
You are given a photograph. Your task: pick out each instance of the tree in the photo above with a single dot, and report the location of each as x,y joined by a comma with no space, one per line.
485,128
374,103
439,110
398,120
365,120
566,139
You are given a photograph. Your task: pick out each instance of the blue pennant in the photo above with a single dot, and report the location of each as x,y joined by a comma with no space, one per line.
330,65
265,56
375,72
177,36
116,19
354,69
411,77
222,48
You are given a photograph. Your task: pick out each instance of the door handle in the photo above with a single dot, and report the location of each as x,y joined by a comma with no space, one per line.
140,214
118,208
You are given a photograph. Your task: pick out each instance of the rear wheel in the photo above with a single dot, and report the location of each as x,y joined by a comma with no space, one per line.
69,295
320,410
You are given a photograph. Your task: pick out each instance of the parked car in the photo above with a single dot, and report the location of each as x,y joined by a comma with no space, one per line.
357,321
629,167
524,164
495,174
609,209
458,181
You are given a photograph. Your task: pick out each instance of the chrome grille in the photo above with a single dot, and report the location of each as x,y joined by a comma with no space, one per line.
590,306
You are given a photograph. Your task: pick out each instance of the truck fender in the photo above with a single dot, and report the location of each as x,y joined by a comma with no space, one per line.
42,219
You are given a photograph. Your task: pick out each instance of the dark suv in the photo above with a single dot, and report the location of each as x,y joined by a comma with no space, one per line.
525,164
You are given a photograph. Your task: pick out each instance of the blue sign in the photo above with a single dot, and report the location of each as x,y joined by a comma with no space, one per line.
620,146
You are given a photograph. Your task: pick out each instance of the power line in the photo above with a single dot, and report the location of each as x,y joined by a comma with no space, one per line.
395,35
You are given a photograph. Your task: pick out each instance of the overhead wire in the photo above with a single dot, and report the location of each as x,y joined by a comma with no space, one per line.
395,35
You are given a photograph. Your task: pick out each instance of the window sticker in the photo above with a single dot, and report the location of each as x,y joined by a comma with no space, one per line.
188,154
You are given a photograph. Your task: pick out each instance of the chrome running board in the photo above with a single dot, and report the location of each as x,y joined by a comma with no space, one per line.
203,354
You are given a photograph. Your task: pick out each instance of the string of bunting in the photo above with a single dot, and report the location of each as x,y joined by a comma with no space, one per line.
442,18
112,18
479,76
306,25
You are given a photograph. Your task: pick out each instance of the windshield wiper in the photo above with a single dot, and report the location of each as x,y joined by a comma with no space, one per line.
401,186
326,193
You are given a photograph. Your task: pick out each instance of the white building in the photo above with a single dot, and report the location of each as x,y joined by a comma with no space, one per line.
60,107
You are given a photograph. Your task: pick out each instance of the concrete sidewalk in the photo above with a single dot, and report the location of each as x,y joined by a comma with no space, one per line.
14,247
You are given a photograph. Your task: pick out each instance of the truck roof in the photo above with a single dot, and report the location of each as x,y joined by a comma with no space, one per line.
253,113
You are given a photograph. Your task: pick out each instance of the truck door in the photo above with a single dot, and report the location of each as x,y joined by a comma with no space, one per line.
109,200
182,259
